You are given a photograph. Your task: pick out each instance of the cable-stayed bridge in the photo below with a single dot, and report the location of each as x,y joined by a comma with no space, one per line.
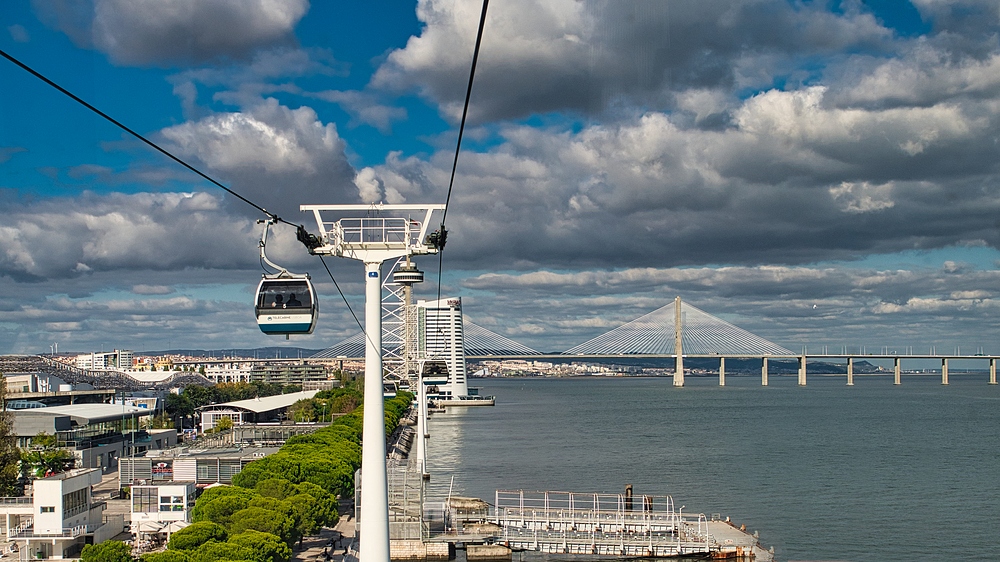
675,331
652,335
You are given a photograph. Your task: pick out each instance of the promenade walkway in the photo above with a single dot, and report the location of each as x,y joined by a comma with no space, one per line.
331,542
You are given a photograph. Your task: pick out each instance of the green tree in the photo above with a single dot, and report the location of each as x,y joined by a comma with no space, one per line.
10,455
165,556
303,411
47,462
179,406
221,510
224,424
107,551
197,534
264,520
275,488
44,440
265,546
214,551
217,492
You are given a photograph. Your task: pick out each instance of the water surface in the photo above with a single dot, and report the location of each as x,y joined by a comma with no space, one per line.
823,472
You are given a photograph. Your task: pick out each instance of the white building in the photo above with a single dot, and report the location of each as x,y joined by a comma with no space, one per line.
59,517
254,410
161,509
117,359
440,335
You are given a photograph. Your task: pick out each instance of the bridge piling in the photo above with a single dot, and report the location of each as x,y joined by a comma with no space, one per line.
763,372
850,371
993,370
944,370
896,371
802,370
722,371
678,347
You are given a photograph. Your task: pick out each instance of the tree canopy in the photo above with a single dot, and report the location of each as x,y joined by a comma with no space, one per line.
107,551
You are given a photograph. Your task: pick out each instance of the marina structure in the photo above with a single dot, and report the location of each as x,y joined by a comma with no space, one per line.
615,525
550,522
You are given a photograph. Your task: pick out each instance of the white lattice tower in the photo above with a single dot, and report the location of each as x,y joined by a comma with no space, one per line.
394,328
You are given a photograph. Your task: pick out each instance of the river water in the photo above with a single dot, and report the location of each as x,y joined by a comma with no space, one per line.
823,472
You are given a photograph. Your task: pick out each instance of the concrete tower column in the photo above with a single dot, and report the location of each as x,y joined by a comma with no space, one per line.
944,370
722,371
421,422
993,370
802,370
896,379
678,348
763,371
850,371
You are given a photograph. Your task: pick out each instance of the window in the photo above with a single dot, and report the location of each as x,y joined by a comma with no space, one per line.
144,500
75,502
171,503
48,509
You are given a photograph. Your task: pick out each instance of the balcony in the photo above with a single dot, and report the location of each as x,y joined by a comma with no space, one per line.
66,533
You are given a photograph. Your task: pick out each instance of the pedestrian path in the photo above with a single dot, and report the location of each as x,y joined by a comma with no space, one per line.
331,542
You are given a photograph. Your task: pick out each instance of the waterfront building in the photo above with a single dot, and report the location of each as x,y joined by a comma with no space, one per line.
440,335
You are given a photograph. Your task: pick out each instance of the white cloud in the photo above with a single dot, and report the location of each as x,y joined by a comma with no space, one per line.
18,33
59,238
156,32
862,197
275,156
590,56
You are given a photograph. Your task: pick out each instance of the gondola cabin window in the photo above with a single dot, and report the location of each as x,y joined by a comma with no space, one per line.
284,295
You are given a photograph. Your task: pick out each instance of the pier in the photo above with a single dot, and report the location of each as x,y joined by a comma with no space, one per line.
615,525
549,522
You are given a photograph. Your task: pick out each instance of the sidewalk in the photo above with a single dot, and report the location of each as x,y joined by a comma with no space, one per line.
330,542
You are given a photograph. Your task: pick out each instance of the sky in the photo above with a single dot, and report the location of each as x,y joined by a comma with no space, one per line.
823,174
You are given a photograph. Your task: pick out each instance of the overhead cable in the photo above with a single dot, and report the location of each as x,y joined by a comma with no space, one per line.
442,235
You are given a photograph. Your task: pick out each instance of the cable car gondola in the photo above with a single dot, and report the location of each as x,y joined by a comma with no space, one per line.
286,302
286,305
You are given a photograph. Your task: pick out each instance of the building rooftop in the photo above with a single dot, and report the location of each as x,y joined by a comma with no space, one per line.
265,404
85,414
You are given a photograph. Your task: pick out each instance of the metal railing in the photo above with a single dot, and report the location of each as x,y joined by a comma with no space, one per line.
390,231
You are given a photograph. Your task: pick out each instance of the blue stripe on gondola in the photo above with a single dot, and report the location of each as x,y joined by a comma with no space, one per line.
282,328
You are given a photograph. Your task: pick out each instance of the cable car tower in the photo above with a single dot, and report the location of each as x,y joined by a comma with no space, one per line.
381,233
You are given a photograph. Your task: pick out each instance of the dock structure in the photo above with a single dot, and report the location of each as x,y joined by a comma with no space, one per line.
615,525
570,523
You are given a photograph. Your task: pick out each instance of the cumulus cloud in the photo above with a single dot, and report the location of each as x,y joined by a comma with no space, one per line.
144,289
273,155
593,56
151,231
364,108
793,180
151,32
